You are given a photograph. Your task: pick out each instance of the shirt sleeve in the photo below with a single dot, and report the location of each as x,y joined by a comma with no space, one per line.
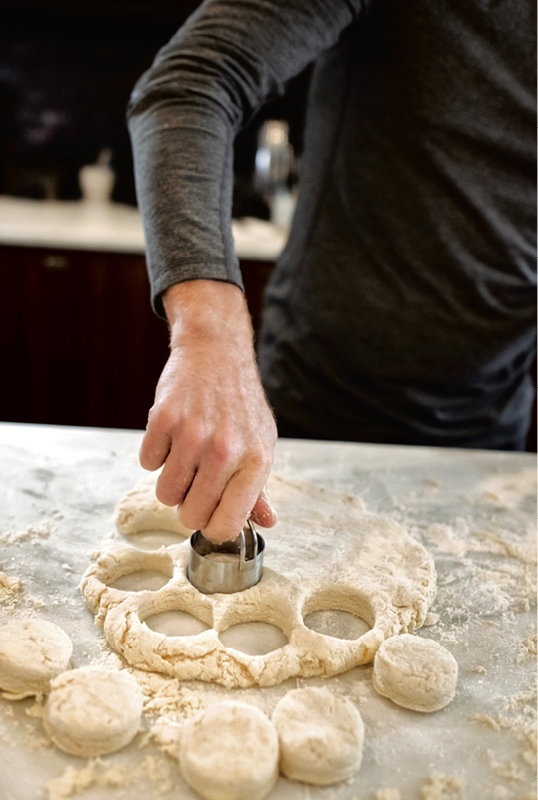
184,113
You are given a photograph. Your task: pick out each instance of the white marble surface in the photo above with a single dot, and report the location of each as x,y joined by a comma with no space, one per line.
111,227
474,511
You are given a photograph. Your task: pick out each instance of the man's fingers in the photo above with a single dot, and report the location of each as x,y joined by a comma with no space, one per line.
175,480
202,498
155,446
263,512
236,503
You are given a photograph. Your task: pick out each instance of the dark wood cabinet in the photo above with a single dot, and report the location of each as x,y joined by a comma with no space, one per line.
79,342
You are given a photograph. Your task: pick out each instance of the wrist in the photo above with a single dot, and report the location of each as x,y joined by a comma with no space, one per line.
205,310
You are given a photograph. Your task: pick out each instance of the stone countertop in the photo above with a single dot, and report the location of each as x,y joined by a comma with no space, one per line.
112,227
474,511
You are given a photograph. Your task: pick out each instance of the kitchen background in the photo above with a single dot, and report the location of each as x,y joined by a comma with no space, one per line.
66,72
79,344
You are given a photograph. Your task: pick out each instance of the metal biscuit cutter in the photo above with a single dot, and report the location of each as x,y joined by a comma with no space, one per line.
228,567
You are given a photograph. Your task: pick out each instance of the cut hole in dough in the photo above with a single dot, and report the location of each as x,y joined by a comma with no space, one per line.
415,673
339,624
142,580
176,623
253,638
154,540
32,653
321,736
230,752
91,712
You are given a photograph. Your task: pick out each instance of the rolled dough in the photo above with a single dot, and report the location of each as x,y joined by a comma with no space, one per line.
91,711
415,673
32,653
139,510
230,752
325,553
321,736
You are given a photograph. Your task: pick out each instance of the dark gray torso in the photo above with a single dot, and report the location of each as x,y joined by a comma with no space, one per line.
403,308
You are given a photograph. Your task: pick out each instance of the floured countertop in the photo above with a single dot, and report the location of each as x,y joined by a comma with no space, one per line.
474,511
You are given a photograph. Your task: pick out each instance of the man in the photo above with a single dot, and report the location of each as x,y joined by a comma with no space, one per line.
402,309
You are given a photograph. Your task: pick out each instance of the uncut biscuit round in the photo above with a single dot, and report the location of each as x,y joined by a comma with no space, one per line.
32,653
415,673
321,736
230,752
91,711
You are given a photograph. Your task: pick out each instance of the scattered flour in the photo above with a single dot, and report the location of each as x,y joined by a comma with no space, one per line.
35,711
10,590
442,787
521,722
510,770
530,644
487,720
431,619
97,773
508,491
387,794
33,532
165,696
459,539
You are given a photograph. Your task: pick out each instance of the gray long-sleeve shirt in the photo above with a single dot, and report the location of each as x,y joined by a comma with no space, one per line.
403,307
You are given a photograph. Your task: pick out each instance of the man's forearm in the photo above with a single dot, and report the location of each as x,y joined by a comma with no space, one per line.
186,110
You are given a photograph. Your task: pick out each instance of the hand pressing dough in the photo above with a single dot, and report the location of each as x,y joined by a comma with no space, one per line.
32,653
415,673
321,736
230,752
91,711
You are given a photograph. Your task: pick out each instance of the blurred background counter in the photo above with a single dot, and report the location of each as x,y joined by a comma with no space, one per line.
79,343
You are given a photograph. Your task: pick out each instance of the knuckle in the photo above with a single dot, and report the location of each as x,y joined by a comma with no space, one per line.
162,417
260,459
224,449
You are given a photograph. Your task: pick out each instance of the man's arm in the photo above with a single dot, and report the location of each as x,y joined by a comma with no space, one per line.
211,425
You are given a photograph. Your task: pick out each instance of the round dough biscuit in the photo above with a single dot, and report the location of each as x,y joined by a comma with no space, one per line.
32,653
230,752
91,711
321,736
415,673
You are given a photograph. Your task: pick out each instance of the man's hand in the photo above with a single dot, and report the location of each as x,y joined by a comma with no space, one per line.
210,424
